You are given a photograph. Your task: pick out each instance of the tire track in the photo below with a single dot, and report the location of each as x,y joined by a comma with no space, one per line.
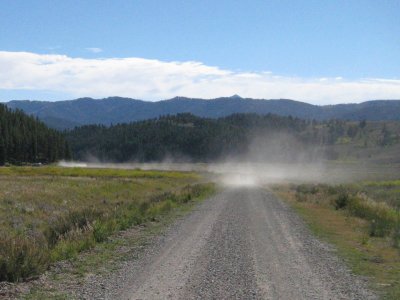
243,243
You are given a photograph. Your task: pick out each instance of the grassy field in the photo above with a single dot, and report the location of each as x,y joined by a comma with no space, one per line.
362,220
49,214
93,172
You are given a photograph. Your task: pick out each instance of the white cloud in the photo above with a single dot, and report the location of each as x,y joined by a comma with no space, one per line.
94,49
155,80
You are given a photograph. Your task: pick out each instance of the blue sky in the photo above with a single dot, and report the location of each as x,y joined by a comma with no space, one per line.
339,48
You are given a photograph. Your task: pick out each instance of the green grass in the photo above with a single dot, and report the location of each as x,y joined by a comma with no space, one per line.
365,232
388,183
358,200
93,172
50,214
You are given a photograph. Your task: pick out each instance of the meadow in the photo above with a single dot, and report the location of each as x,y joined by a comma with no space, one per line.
48,214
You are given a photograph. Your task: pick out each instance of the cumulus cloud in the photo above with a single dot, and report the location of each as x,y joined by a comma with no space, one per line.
150,79
94,49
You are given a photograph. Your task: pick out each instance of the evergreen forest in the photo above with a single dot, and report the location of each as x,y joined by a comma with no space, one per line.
186,137
25,139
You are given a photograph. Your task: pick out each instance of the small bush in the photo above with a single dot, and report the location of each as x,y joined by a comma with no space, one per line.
382,218
342,201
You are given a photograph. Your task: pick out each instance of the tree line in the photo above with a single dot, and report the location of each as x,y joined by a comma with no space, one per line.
184,137
188,137
24,139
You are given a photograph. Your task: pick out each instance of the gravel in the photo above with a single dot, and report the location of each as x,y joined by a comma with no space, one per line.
244,243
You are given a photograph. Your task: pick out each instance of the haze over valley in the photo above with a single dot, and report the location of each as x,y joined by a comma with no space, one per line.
113,110
199,149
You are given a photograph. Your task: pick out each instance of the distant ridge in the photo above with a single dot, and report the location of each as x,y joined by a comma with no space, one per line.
113,110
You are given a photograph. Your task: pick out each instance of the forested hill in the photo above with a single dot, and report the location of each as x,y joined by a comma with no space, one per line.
240,136
113,110
24,139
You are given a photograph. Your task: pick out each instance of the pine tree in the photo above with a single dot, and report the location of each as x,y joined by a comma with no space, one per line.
26,139
2,152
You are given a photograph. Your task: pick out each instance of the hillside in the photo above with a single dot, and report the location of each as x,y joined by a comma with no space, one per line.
23,139
244,137
113,110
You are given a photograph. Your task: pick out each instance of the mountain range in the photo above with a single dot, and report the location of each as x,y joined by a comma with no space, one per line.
70,113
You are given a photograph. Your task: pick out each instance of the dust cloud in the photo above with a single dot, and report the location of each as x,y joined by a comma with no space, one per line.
268,159
162,166
272,158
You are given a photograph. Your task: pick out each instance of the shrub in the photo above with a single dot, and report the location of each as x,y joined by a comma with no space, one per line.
382,218
342,201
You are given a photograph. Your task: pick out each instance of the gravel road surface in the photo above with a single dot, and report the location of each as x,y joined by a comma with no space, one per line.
243,243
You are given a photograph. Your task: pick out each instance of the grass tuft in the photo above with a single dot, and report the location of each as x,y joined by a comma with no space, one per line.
21,257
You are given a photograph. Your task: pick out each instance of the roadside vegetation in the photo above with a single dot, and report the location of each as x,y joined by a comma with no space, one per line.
48,214
362,220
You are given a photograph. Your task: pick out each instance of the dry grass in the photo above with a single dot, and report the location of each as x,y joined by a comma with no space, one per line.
348,227
49,214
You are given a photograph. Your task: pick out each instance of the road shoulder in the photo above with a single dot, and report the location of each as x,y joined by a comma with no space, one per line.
365,256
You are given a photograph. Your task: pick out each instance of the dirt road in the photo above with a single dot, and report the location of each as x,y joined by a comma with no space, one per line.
242,244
